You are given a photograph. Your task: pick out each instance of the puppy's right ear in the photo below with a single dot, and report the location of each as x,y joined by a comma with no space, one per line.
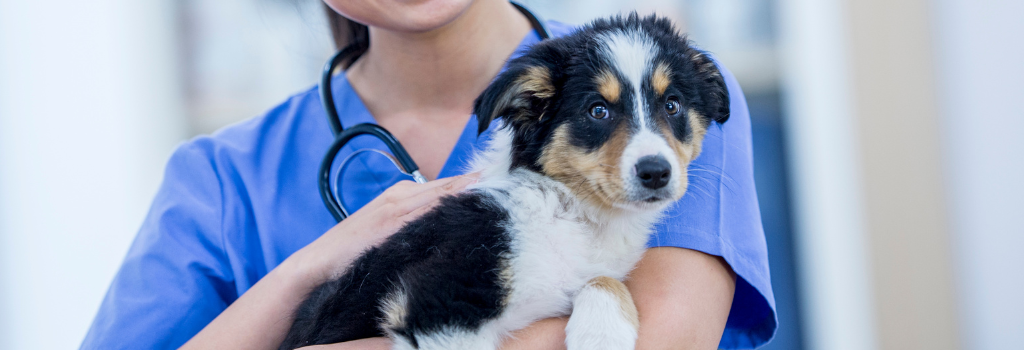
520,94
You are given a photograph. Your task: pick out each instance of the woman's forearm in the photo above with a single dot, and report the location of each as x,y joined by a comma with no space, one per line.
683,298
546,334
261,317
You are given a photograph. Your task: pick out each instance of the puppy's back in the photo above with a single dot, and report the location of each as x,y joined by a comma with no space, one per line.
441,270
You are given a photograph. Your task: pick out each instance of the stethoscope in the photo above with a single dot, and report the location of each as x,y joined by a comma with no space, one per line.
398,156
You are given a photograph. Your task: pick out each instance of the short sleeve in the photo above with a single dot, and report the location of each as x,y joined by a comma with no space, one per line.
175,278
719,215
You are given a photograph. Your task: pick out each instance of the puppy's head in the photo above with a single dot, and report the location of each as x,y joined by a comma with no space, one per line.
615,111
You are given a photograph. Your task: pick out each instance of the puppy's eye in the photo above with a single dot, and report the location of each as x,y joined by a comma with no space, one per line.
598,111
672,107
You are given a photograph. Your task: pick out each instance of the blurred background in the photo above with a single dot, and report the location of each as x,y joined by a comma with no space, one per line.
888,159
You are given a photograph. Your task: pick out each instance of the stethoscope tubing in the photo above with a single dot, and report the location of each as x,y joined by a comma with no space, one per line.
342,136
326,93
401,156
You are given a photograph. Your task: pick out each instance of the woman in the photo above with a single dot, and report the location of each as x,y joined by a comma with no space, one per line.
237,235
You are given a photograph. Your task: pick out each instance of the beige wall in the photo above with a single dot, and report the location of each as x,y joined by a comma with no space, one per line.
895,110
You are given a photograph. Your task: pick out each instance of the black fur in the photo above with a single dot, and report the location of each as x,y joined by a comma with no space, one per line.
450,258
574,61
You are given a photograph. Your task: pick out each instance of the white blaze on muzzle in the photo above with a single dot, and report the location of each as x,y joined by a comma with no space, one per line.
631,55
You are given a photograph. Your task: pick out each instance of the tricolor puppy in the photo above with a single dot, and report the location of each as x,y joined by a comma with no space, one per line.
598,129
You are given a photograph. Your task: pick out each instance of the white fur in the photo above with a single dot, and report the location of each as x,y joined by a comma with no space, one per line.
395,308
597,323
642,144
558,243
631,53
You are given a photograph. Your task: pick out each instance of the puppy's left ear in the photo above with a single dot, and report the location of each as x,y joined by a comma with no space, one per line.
714,93
520,94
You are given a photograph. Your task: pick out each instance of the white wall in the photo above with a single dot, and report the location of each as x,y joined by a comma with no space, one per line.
245,56
981,75
89,110
830,229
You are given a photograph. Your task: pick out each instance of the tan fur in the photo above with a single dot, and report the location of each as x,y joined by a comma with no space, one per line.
395,309
592,176
505,277
699,124
608,86
661,78
705,65
687,150
536,81
620,292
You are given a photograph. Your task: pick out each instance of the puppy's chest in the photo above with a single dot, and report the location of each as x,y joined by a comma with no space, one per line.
557,245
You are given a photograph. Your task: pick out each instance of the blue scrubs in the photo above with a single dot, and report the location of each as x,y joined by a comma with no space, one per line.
234,205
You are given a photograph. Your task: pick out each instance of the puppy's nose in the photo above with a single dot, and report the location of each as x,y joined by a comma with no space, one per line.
653,171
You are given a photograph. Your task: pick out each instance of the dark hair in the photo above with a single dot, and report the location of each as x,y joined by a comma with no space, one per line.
347,32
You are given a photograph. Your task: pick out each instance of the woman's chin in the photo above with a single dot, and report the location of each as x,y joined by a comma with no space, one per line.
412,16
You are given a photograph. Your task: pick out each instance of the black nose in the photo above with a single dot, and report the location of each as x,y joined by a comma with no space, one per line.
653,171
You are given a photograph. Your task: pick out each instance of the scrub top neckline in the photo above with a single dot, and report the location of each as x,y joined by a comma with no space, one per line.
353,111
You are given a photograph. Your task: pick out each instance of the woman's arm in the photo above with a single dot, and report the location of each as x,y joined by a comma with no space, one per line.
261,317
547,334
683,297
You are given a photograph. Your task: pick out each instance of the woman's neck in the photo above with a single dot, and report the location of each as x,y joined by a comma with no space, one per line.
440,71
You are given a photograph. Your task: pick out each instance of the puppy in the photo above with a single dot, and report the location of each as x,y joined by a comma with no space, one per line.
598,128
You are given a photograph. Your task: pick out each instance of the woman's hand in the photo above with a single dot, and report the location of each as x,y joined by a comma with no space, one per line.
331,254
261,317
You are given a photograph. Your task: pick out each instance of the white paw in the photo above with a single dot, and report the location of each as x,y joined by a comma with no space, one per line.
603,318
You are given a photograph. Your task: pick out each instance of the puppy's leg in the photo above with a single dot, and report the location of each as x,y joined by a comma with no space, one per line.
603,317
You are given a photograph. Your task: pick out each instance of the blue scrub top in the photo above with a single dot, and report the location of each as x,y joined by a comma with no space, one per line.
234,205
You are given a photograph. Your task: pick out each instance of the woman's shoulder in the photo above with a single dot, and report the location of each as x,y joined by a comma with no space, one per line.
287,119
558,28
297,122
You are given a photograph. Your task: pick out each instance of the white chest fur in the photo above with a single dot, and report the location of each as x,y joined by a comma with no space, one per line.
558,244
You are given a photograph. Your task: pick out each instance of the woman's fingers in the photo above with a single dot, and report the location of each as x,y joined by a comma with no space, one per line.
431,195
399,192
416,213
402,202
413,188
432,198
361,344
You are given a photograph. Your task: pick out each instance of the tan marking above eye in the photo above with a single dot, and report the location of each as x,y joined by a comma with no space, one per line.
608,86
661,78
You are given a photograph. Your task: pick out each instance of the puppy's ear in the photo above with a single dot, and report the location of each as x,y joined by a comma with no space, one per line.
714,94
520,94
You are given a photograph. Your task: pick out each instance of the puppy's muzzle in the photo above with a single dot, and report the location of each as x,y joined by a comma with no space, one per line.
653,172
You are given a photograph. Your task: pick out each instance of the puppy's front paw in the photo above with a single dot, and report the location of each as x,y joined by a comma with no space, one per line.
603,317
